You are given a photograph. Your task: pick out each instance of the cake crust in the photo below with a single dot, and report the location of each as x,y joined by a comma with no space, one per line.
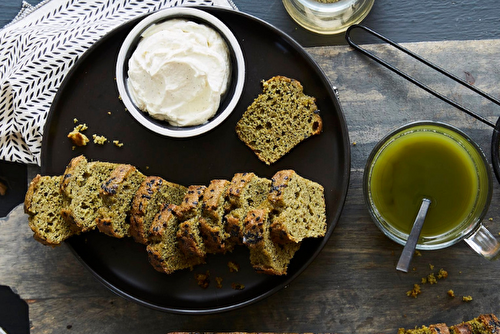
163,250
188,212
266,256
299,208
246,191
117,193
212,225
152,193
43,203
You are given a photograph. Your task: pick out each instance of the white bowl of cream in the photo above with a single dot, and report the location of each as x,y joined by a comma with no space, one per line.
180,72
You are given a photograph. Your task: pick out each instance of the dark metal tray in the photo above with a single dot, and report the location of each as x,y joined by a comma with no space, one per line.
89,94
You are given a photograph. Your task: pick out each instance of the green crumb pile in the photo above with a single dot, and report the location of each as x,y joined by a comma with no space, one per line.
431,279
100,140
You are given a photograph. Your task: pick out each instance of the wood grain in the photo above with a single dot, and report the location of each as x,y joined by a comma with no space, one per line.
403,21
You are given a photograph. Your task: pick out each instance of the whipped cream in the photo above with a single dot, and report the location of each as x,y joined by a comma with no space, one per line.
179,71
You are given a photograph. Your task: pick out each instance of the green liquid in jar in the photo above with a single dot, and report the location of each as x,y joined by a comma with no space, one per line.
424,164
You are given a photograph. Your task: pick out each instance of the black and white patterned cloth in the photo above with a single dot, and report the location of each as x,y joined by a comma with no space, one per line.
39,47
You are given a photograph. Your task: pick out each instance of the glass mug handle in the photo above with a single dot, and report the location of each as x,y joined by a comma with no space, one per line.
484,243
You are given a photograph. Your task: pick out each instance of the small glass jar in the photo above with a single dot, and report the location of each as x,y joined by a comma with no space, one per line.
328,18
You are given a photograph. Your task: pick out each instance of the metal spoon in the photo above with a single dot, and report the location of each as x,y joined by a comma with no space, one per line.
411,243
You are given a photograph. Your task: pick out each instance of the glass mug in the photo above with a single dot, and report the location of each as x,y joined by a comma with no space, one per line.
433,160
328,18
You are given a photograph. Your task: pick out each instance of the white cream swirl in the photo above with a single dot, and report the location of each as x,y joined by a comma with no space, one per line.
179,71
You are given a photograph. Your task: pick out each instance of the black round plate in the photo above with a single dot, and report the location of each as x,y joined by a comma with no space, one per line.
89,94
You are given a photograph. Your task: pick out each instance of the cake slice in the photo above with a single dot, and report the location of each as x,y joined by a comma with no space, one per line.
188,212
85,202
163,250
490,321
212,226
117,193
191,203
279,119
75,176
152,193
439,329
485,323
43,203
432,329
246,191
265,255
299,209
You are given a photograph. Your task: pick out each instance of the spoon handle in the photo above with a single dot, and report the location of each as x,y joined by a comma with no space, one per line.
411,243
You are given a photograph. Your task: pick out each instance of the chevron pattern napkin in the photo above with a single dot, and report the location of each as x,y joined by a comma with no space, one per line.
37,50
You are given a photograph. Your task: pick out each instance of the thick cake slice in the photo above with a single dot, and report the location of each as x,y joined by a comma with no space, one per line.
279,119
75,176
247,191
212,227
163,251
117,193
265,255
299,208
189,212
153,192
86,201
432,329
191,203
490,321
485,323
43,203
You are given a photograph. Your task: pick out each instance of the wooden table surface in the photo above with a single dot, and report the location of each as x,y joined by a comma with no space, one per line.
352,286
403,20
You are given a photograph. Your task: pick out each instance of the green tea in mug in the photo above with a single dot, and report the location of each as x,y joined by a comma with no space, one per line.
420,164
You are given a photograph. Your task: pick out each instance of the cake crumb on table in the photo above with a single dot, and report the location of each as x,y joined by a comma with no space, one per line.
442,273
431,279
415,291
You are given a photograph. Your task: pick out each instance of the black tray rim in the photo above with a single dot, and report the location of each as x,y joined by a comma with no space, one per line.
332,92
